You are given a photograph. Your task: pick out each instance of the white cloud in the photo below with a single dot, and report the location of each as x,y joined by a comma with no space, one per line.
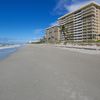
38,33
64,6
54,23
60,7
75,6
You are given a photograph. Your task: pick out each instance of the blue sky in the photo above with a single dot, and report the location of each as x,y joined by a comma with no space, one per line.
24,20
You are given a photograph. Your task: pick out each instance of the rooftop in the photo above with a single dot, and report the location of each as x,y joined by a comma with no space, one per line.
52,27
90,3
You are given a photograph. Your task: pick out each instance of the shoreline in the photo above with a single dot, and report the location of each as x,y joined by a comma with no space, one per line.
9,46
7,51
77,49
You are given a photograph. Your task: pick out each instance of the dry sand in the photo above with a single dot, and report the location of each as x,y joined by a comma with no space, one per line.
41,72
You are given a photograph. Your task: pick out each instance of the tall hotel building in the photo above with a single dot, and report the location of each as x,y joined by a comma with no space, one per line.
83,25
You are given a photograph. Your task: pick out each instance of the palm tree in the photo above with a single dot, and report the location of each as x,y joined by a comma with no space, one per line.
64,32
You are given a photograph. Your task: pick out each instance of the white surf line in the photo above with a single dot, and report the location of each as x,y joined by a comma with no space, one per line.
8,47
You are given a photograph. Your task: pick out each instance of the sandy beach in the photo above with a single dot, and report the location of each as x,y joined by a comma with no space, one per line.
41,72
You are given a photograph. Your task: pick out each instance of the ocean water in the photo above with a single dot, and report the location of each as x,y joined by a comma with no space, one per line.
4,53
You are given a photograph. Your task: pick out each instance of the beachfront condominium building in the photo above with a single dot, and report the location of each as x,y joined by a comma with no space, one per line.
82,25
53,34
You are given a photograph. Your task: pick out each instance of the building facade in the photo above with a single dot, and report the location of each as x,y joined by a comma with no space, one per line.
82,25
53,34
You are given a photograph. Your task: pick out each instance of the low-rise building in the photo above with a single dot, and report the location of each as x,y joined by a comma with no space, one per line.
53,34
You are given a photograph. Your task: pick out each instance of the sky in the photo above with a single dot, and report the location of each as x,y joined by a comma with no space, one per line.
25,20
